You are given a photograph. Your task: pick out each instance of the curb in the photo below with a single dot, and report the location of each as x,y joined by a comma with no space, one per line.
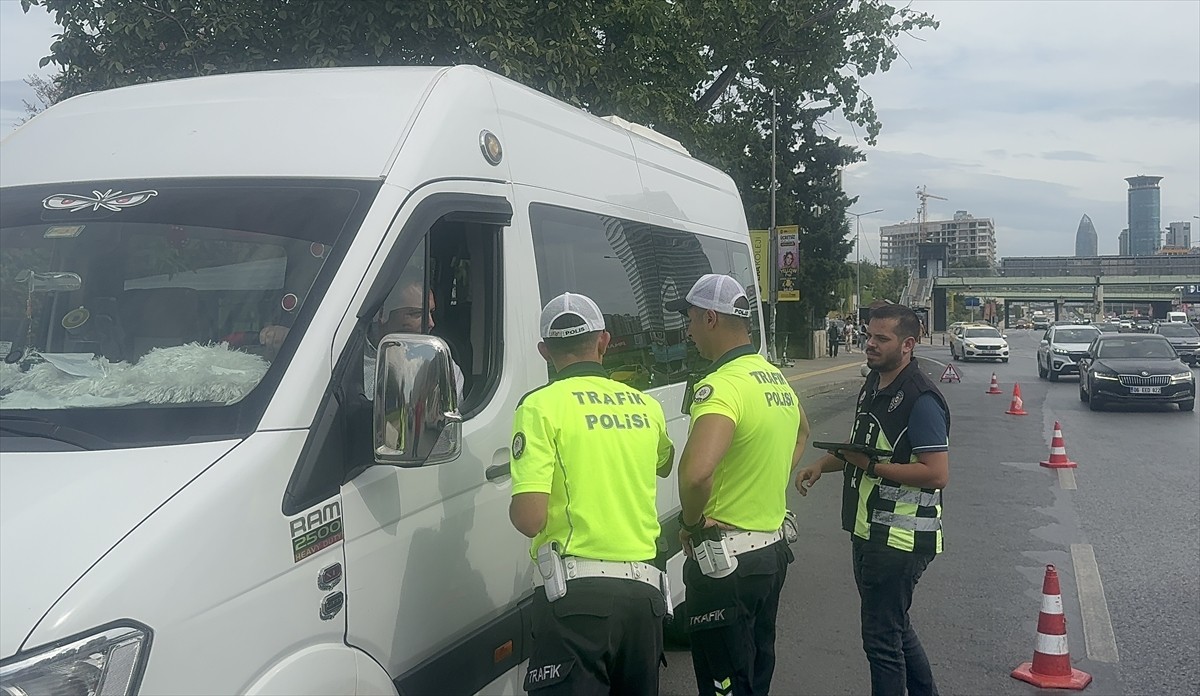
826,387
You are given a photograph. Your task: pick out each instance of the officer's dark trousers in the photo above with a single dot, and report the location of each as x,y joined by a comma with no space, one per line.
731,622
886,578
603,637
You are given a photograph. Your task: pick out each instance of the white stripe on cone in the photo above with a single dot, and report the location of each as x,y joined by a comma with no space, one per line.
1052,604
1058,450
1051,645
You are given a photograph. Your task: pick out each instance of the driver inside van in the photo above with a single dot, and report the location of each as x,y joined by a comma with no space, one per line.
402,312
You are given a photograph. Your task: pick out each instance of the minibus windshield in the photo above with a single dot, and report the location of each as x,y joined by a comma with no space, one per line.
160,294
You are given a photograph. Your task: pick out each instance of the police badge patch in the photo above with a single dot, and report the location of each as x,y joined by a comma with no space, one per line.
895,402
518,445
703,393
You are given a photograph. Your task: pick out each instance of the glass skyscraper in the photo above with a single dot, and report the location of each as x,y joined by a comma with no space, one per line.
1145,223
1085,238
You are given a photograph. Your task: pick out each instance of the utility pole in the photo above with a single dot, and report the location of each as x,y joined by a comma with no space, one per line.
858,260
773,237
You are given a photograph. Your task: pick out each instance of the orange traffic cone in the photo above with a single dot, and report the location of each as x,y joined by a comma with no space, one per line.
1017,408
1051,666
1058,451
995,388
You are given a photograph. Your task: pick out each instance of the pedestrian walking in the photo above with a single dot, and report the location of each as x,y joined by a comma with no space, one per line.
835,337
848,337
893,508
862,337
747,433
585,451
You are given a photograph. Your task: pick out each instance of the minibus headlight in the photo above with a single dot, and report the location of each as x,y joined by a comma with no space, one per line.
111,658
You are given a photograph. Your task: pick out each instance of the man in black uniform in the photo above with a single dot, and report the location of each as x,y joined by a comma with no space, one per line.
893,509
585,452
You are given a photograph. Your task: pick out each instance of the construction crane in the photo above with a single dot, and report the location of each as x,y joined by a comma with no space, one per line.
924,197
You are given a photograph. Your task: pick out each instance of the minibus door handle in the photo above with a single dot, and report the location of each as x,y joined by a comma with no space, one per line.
498,471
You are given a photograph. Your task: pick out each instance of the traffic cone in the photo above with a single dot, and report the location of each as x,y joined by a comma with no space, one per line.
995,388
1051,666
1058,451
1017,408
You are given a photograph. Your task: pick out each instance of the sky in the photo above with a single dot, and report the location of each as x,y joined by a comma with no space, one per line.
1030,113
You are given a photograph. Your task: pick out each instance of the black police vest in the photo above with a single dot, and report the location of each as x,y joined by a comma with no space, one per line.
878,509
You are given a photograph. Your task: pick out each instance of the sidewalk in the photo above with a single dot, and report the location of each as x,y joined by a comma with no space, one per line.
825,374
812,377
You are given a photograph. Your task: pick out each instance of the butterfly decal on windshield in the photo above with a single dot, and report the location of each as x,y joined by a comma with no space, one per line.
109,200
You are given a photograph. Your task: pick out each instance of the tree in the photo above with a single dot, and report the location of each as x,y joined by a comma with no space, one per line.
705,72
46,91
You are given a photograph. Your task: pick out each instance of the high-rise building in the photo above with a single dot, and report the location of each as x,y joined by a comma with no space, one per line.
966,236
1145,225
1179,235
1085,238
1123,243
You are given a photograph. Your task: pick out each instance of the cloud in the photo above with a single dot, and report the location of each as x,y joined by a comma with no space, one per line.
1070,156
1024,112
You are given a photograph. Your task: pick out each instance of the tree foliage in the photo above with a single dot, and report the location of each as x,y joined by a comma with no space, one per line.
701,71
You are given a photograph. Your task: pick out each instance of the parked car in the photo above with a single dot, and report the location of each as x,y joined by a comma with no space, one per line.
1061,348
979,341
1135,369
1184,338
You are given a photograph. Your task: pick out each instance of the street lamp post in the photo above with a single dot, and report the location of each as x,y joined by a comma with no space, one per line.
858,260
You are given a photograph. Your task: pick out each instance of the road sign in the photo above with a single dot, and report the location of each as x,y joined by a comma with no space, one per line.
970,301
950,375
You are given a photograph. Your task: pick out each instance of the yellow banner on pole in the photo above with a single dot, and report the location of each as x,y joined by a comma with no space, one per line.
788,255
760,243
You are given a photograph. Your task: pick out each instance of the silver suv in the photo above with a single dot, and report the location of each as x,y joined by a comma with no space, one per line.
1061,347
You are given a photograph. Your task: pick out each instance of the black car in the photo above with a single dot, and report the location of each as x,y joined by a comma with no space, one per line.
1184,338
1131,368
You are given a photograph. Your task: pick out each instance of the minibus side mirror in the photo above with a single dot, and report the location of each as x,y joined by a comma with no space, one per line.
416,419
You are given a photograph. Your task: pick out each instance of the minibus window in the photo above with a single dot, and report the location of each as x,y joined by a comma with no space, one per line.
181,294
630,269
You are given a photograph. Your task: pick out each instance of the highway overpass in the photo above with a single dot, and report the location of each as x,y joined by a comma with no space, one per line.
1157,291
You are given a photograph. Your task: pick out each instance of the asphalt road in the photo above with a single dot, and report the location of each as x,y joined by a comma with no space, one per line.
1134,507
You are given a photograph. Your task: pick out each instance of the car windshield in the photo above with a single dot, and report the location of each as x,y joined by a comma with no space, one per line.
157,298
1178,330
1132,349
1075,335
982,333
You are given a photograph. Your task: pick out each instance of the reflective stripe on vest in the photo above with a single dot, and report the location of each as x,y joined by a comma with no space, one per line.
916,524
902,495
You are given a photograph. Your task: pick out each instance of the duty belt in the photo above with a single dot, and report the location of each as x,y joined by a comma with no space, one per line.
739,542
577,568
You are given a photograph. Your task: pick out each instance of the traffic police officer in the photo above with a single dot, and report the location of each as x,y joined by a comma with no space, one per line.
747,433
893,509
585,451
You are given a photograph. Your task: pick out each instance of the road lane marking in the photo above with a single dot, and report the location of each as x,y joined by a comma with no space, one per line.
806,375
1098,633
1066,479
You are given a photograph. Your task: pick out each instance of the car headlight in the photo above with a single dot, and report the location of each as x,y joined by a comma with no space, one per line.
1181,377
1060,351
112,657
969,345
1102,375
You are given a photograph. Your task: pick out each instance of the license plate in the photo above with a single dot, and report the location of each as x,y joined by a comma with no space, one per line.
1145,390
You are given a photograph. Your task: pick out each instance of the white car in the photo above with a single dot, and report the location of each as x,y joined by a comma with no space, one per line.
980,342
1061,347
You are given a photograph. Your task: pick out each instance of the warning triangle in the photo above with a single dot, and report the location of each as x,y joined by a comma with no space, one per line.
950,375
